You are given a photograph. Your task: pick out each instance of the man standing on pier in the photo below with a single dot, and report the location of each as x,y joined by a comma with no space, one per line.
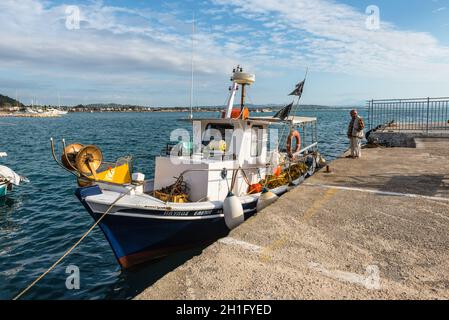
356,134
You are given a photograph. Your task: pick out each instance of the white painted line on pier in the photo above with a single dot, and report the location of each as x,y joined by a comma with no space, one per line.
370,280
243,244
384,193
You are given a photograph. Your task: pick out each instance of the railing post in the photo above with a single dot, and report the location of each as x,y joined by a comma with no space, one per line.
428,109
369,115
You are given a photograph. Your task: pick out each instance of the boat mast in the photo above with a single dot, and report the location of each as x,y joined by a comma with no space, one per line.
299,97
192,67
242,100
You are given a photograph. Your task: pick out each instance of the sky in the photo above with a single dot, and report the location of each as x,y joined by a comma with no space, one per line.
139,52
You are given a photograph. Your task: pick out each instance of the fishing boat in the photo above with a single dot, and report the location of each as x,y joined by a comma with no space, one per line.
8,178
204,185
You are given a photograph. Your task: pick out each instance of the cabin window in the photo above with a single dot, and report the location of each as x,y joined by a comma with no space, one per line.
256,141
217,131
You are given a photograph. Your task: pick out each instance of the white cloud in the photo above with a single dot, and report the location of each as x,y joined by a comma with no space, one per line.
333,37
112,42
36,34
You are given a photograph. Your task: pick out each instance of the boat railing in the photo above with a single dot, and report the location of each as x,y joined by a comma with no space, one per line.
288,162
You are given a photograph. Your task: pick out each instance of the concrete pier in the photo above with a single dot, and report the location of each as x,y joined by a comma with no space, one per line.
374,228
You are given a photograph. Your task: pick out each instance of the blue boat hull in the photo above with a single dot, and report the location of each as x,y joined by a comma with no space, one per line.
135,240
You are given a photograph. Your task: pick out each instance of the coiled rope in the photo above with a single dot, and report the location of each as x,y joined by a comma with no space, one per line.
73,247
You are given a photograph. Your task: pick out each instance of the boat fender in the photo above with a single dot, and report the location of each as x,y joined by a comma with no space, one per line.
266,199
233,211
294,134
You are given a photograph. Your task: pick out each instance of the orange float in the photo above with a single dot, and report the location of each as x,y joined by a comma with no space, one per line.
240,114
277,172
255,188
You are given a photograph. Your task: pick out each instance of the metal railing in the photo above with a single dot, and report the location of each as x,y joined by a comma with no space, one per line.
422,114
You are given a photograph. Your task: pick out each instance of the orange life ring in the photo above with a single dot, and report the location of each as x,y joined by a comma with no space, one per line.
294,134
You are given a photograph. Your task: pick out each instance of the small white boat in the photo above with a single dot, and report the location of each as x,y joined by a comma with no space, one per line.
48,112
30,111
202,187
8,178
56,111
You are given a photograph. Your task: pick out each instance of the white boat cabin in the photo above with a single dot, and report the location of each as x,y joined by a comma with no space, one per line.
225,143
217,144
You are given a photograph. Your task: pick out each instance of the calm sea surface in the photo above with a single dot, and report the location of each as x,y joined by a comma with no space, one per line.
41,220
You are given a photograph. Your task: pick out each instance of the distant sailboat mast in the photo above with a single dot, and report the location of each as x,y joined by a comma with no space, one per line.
192,67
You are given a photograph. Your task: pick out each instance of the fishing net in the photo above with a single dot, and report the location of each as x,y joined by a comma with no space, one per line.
177,192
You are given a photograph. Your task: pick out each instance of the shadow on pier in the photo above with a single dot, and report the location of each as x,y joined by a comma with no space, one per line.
133,281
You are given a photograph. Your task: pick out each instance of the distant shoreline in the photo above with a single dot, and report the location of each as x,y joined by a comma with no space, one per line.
45,114
160,109
55,112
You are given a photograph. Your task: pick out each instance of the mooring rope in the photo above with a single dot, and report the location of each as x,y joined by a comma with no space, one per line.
71,248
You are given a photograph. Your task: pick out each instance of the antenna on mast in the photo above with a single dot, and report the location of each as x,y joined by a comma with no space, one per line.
192,66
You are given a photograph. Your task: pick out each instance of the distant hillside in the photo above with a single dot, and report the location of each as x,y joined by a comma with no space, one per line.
111,105
7,102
